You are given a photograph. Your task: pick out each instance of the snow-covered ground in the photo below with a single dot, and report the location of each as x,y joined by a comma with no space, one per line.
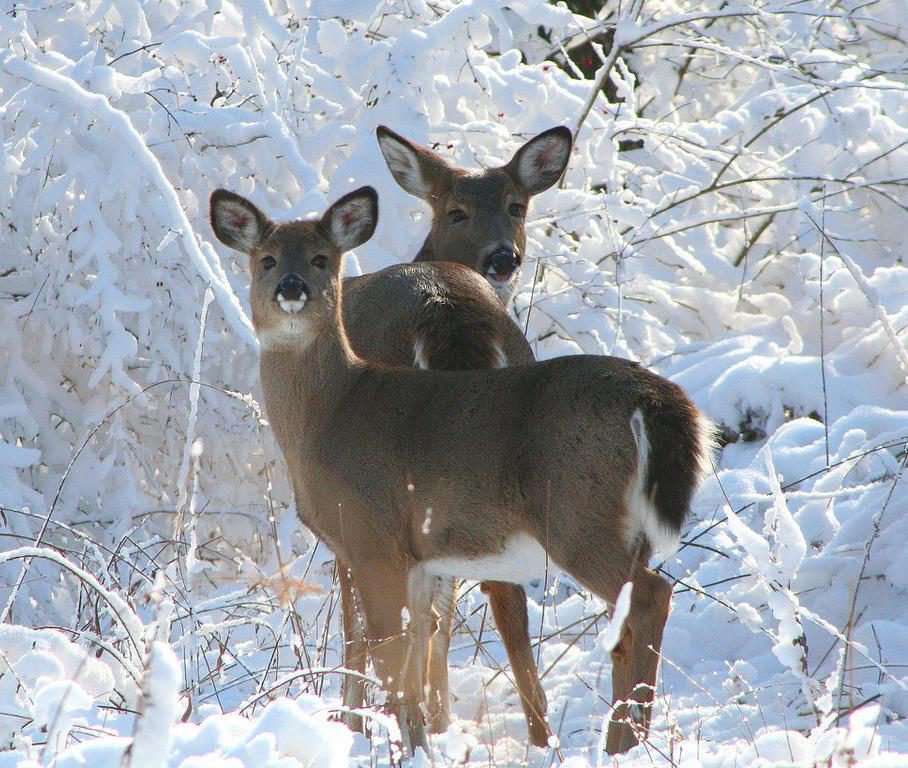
737,222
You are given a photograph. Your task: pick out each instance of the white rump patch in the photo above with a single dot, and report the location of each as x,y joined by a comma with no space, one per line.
707,438
644,518
522,559
404,165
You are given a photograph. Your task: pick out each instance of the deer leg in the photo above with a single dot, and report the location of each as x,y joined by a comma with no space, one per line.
509,608
355,650
635,661
438,695
420,588
396,605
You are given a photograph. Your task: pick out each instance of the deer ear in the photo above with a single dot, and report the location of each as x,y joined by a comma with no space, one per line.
352,219
415,168
237,222
539,163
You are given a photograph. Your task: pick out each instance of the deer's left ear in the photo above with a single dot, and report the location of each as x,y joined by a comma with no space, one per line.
352,219
237,222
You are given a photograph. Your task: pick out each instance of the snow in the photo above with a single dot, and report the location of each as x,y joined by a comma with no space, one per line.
162,606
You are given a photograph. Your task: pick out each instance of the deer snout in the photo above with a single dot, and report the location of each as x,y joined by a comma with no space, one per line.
503,263
291,293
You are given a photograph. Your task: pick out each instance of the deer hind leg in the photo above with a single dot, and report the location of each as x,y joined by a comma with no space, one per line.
509,608
398,641
635,660
438,694
355,650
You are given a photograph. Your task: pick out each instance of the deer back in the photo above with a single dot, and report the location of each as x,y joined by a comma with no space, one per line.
443,316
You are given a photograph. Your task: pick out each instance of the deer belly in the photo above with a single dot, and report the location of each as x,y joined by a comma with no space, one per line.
521,560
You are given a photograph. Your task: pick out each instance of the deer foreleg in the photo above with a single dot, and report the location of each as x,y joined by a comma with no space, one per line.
438,694
396,632
355,650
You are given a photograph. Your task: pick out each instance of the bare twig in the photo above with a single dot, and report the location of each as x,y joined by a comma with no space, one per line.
868,548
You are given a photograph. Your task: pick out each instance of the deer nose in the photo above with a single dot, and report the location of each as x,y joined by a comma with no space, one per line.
504,261
291,288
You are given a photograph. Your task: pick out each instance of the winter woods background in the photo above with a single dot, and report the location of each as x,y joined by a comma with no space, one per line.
733,216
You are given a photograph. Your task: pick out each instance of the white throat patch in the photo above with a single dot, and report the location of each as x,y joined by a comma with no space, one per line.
291,330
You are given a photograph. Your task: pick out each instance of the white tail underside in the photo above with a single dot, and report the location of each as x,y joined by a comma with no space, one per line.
643,518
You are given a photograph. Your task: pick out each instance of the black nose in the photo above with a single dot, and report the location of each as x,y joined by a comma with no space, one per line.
291,288
505,261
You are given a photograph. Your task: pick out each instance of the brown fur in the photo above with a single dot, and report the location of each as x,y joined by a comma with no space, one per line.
444,301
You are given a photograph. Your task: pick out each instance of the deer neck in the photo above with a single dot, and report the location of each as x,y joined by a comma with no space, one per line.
426,253
304,380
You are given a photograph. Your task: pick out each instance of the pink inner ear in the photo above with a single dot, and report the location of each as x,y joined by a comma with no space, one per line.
546,156
349,218
239,220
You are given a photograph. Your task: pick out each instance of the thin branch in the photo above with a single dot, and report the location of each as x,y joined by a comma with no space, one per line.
868,549
146,47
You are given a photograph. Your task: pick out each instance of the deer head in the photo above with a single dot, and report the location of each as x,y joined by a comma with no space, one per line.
479,219
294,265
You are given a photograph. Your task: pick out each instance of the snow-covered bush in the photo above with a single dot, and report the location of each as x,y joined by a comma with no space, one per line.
735,220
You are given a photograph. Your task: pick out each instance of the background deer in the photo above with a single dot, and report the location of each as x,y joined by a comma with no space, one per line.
446,311
478,222
589,462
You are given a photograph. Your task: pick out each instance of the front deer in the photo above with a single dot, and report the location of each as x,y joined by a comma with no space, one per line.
589,462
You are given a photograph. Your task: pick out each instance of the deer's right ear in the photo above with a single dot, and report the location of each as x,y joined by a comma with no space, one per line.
237,222
415,168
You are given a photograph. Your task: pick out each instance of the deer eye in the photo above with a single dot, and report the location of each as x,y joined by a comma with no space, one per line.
516,210
268,262
456,216
320,261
